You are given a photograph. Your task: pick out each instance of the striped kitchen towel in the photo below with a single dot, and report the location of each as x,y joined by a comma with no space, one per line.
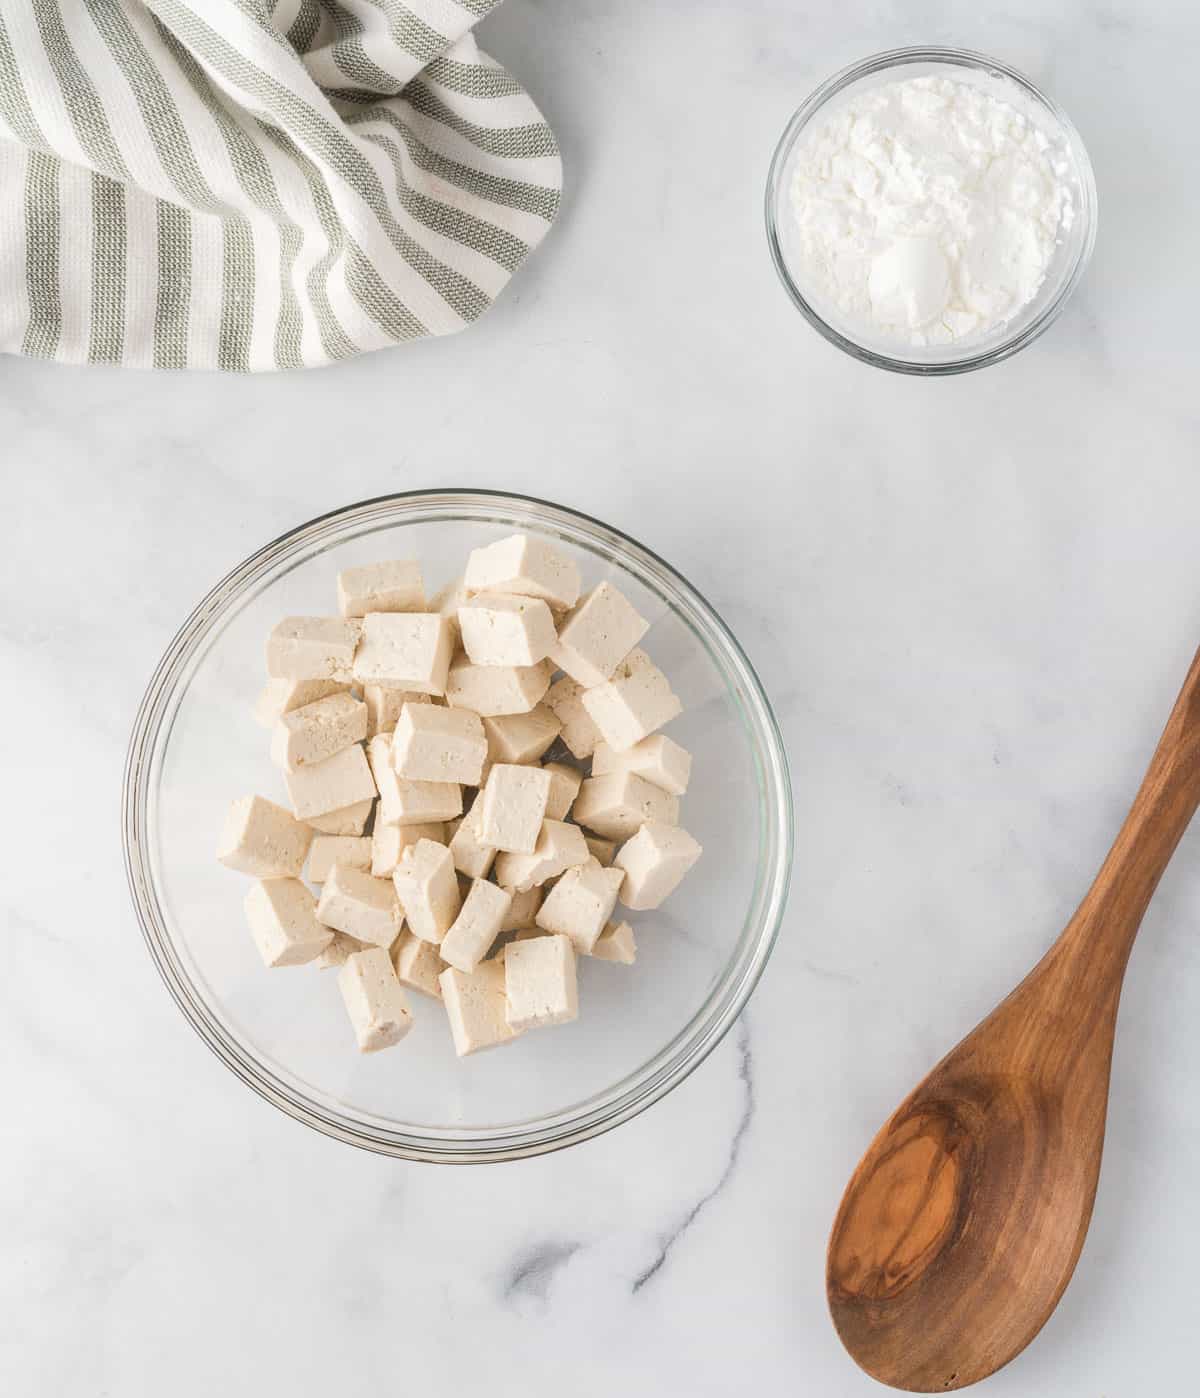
257,184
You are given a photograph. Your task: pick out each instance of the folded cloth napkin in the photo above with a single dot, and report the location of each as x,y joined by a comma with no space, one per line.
257,184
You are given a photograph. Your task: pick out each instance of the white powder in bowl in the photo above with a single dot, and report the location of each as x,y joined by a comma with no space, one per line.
929,209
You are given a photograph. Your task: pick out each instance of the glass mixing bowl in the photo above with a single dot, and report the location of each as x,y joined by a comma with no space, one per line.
642,1029
1066,268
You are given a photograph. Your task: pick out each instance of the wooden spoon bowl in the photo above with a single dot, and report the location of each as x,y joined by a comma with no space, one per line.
962,1225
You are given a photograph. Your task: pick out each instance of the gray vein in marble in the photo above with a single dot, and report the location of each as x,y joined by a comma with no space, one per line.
534,1272
746,1076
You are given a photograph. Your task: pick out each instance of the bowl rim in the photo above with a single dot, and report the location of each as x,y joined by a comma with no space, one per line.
683,1053
1008,345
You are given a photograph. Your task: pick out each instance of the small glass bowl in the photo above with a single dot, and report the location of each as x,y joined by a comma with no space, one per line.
1062,277
641,1030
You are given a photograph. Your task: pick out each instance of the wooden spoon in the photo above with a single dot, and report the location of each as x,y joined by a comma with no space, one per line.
960,1229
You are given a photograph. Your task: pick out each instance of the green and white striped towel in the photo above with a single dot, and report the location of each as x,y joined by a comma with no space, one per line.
257,184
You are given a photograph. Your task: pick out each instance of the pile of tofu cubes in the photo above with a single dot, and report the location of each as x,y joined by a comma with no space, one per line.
495,855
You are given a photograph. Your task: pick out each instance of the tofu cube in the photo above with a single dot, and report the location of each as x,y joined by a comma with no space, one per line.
427,887
564,699
615,805
406,650
500,630
337,953
389,842
328,850
280,697
312,648
580,904
602,851
655,861
282,915
616,943
405,802
417,964
559,847
476,1007
317,731
360,906
471,855
519,739
491,690
597,635
384,705
476,927
633,703
263,839
432,744
381,587
348,820
564,787
514,806
447,602
524,567
660,761
522,910
539,982
374,1000
329,785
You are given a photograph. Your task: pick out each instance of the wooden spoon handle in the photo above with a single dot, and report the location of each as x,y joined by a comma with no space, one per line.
1104,928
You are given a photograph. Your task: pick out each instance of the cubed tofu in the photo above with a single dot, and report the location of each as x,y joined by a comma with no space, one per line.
559,847
349,820
602,851
476,927
328,850
539,982
389,842
427,887
655,860
564,699
418,964
658,759
282,915
514,807
633,703
338,952
522,910
492,690
317,731
405,802
525,567
362,907
614,806
471,854
381,587
521,738
374,1000
447,602
312,648
564,787
476,1007
597,634
616,943
384,705
280,697
338,781
406,650
500,630
432,744
581,903
263,839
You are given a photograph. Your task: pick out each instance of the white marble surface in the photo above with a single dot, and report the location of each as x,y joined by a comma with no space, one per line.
972,602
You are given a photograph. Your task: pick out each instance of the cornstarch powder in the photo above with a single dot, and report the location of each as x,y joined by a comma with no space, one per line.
929,209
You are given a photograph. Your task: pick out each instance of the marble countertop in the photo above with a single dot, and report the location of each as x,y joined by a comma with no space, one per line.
972,602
